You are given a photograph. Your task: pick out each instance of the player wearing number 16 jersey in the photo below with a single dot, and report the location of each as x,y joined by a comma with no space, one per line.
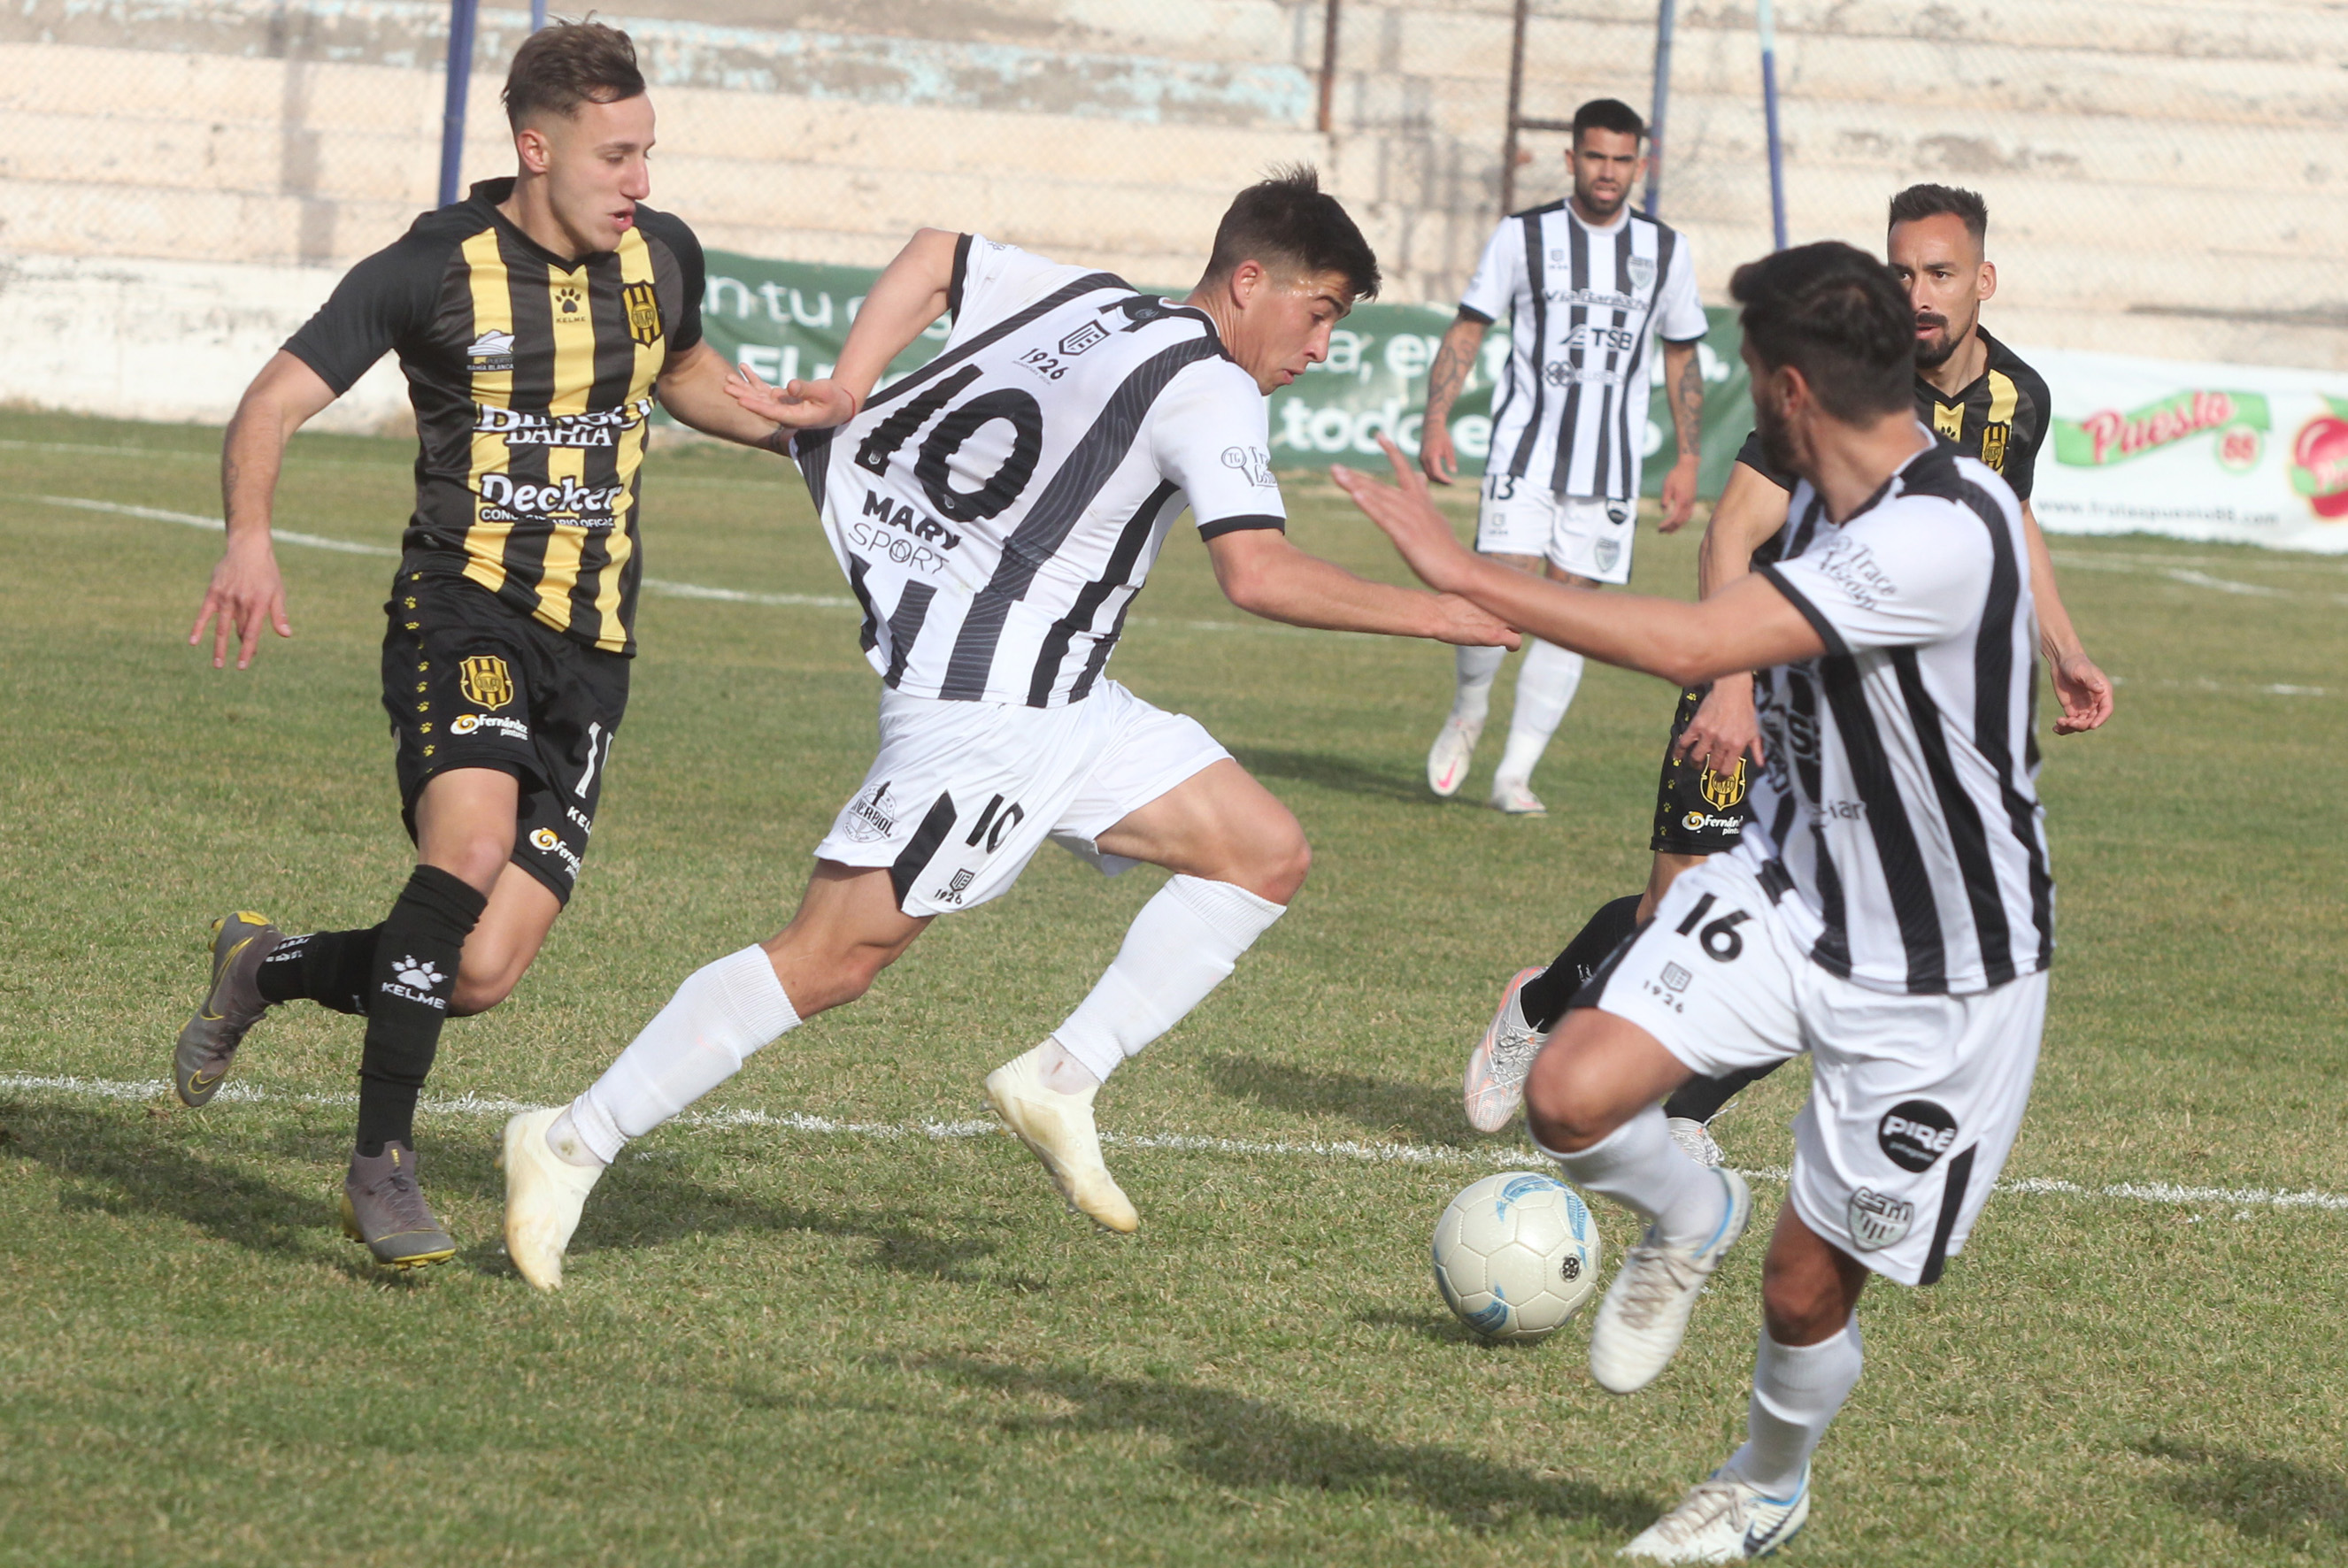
1889,909
996,513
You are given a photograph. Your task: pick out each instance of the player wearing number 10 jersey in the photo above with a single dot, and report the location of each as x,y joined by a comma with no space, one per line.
996,513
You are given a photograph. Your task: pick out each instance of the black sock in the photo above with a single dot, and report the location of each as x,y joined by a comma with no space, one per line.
1700,1098
1544,999
333,968
415,975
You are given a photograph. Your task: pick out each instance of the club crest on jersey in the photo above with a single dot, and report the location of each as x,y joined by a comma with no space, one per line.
1643,272
1993,438
643,306
1606,552
1723,790
1083,338
486,681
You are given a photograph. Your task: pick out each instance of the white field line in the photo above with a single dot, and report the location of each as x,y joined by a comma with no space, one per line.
651,584
2168,1193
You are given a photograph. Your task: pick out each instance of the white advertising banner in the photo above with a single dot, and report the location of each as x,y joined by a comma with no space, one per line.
2243,454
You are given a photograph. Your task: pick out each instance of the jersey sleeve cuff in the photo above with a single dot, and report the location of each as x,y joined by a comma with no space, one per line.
335,381
1767,475
960,271
1469,313
1685,342
1825,629
1241,524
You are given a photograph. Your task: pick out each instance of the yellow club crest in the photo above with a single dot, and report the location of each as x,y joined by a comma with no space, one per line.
643,313
487,683
1725,790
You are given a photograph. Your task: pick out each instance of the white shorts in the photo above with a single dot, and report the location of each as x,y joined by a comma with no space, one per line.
1587,537
1914,1099
963,794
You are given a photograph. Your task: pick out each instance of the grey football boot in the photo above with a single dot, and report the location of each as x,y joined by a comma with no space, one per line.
383,1207
207,1047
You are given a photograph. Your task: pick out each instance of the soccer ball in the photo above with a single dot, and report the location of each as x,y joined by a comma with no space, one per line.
1516,1256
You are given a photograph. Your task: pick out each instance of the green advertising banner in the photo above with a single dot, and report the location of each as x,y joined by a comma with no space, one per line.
787,319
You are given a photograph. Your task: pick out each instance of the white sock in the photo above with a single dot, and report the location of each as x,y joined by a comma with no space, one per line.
1796,1390
1477,668
1180,947
1638,1166
722,1014
1546,682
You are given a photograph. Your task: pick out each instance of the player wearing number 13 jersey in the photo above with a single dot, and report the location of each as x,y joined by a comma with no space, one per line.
996,513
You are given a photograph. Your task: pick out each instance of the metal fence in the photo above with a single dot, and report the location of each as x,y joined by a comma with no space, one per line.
2162,178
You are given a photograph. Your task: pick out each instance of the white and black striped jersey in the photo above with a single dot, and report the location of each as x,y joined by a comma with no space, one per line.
996,510
1586,305
1899,803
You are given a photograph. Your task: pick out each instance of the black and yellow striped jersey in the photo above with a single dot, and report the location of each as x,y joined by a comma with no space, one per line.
2001,418
531,375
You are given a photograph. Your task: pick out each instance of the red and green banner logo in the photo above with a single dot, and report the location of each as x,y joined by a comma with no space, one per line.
2319,461
2110,436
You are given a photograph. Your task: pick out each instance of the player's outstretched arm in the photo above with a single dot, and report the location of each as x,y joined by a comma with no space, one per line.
2084,691
1747,626
696,388
1263,574
910,294
246,588
1445,381
1751,508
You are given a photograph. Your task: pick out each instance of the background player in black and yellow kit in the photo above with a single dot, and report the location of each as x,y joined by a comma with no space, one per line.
1973,392
536,323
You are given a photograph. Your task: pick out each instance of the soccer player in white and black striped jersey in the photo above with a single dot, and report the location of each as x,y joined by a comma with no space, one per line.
1888,908
1589,285
996,511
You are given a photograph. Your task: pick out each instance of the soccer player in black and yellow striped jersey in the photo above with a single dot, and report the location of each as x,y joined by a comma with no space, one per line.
536,321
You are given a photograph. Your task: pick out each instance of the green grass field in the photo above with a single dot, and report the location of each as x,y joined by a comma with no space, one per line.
835,1344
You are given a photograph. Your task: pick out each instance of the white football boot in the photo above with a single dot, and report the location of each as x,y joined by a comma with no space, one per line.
1454,749
1645,1313
544,1193
1694,1139
1496,1068
1058,1129
1515,798
1723,1520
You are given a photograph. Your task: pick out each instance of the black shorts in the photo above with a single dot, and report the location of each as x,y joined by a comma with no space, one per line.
1697,811
472,682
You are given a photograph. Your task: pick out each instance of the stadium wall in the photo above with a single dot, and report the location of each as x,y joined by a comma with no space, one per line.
182,180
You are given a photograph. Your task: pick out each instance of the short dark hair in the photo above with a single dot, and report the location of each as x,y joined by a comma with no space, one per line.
1608,113
566,64
1942,202
1287,220
1837,315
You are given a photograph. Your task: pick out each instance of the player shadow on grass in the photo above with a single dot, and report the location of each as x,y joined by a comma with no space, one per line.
126,1164
1232,1440
2272,1498
1411,1112
1408,785
639,1206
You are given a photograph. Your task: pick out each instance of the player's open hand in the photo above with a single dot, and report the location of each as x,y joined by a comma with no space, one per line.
245,591
1725,728
2084,692
1409,516
796,405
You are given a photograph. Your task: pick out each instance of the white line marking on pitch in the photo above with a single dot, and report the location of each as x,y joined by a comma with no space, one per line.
651,584
2163,1193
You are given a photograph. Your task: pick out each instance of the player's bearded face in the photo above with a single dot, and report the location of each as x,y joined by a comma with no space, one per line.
595,168
1605,165
1942,264
1770,419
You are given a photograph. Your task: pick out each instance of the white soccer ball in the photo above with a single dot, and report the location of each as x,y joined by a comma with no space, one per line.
1516,1256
